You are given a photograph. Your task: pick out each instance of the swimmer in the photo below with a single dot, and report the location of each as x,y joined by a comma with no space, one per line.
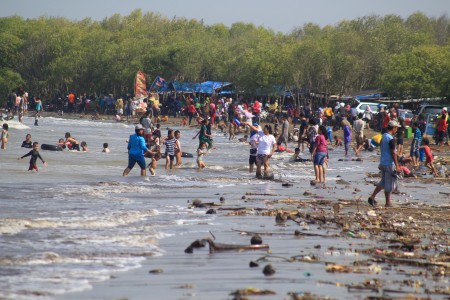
201,151
84,147
105,148
34,156
61,143
71,143
27,143
155,155
5,135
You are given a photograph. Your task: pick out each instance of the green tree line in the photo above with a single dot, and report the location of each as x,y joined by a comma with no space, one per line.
51,56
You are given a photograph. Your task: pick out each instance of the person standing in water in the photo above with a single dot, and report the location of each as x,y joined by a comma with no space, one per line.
170,143
5,135
136,149
34,156
178,151
201,151
27,143
266,147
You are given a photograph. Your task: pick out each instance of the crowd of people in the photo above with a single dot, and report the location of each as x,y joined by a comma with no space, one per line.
318,131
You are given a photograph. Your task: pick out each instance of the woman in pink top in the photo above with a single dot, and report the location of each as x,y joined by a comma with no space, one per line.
319,155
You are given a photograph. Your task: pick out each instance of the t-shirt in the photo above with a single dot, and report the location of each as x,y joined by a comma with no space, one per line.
253,144
170,146
417,140
266,143
26,144
405,170
312,133
387,144
136,146
321,143
147,123
428,153
347,134
358,127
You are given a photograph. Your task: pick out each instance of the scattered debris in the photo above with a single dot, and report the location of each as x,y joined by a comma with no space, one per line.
268,270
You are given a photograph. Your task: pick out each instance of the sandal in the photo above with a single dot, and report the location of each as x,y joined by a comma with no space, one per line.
372,201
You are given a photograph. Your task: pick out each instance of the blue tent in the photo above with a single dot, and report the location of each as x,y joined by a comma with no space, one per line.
207,87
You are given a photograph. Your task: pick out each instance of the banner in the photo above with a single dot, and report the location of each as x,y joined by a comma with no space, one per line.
140,85
158,83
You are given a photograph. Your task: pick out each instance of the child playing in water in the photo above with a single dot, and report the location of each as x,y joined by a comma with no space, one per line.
61,143
178,152
105,148
34,156
169,141
27,143
155,156
5,135
429,156
84,146
201,151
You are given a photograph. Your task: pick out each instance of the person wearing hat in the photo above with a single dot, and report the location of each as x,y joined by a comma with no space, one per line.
136,149
388,165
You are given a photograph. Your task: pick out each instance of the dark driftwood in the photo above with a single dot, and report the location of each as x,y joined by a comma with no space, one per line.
217,247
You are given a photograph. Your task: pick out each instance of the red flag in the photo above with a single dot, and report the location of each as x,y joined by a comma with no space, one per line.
140,86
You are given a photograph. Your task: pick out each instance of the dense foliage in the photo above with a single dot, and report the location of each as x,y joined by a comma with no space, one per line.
50,56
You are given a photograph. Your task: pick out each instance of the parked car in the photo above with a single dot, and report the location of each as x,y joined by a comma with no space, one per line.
361,106
427,110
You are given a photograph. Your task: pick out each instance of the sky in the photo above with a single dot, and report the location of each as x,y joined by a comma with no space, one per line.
279,15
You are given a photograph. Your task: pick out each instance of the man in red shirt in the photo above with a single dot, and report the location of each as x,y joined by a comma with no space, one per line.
191,111
71,99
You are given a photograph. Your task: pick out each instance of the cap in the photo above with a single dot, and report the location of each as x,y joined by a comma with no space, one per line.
394,123
138,127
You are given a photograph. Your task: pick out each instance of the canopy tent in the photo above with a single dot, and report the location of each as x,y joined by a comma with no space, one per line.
207,87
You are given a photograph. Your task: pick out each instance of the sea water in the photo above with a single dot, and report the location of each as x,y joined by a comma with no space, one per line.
78,221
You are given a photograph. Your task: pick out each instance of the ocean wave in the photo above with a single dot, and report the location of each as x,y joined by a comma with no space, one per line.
106,220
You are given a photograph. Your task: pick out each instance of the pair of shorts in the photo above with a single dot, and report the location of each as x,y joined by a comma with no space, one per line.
170,156
319,158
399,141
33,167
414,152
311,147
388,181
359,140
440,136
346,145
260,158
132,161
252,159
